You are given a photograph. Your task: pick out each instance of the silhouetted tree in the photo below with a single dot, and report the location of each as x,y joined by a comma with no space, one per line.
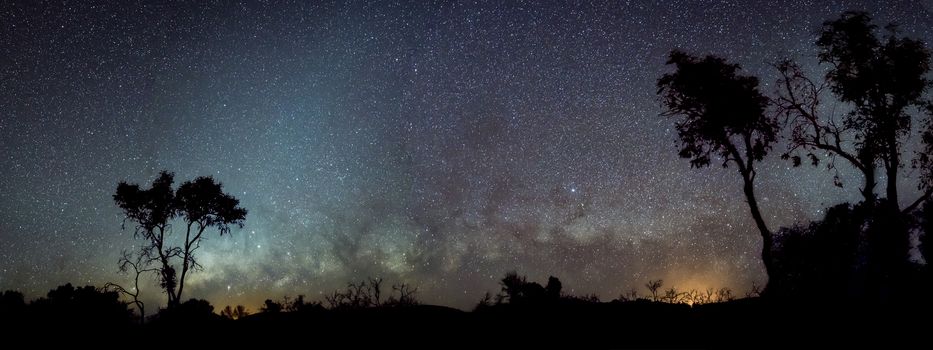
201,203
367,294
721,115
799,100
234,313
407,295
485,302
518,290
820,258
151,210
673,296
553,287
137,263
271,306
300,305
512,285
12,307
630,295
724,295
881,78
653,287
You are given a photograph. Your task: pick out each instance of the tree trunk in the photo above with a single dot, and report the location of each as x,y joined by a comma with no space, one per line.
767,239
184,263
188,262
891,189
167,272
868,170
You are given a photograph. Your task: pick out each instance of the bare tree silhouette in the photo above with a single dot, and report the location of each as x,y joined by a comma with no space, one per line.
799,99
138,263
653,287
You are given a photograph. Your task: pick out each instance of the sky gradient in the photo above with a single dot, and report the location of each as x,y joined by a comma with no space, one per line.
438,144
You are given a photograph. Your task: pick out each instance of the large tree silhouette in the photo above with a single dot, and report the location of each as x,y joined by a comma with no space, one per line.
882,79
152,210
721,114
201,204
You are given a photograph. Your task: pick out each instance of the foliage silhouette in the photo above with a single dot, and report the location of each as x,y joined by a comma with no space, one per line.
69,305
12,307
234,313
721,114
517,289
201,204
925,218
271,306
881,78
191,312
820,258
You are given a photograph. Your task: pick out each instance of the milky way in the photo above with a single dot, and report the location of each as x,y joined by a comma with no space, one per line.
438,144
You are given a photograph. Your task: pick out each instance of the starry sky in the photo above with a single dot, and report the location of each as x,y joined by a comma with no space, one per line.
440,144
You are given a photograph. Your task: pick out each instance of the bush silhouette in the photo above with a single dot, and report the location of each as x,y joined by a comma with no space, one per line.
517,290
81,306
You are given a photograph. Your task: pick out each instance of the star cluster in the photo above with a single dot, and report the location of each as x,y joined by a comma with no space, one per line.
434,143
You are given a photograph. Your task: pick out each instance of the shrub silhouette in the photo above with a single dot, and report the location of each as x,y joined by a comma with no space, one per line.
191,312
368,294
12,307
517,290
234,313
819,258
270,306
81,306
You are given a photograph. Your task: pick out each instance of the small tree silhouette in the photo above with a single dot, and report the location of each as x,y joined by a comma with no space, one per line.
553,288
234,313
724,294
270,306
630,295
673,296
407,295
368,293
653,287
519,290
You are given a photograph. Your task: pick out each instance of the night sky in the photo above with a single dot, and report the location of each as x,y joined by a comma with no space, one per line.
439,144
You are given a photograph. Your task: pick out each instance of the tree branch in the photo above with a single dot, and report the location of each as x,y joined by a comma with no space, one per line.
917,202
